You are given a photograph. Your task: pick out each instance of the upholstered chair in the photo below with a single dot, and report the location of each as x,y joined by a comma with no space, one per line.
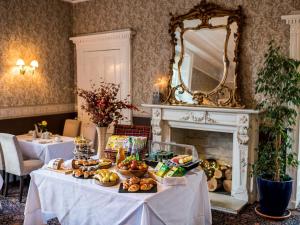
2,166
88,130
14,162
71,128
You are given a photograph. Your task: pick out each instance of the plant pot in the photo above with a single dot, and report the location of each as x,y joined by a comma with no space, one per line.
101,132
274,196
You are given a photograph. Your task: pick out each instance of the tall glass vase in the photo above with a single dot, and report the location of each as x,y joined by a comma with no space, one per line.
101,132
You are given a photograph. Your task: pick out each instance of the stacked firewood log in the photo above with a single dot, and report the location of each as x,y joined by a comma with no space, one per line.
219,174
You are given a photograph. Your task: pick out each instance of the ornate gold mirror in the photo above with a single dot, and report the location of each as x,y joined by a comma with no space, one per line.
204,64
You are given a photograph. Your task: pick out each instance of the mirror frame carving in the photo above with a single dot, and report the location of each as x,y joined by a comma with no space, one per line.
206,11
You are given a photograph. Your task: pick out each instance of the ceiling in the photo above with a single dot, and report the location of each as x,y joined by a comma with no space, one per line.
75,1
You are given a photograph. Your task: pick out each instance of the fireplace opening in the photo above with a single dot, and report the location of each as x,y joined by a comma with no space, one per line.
215,151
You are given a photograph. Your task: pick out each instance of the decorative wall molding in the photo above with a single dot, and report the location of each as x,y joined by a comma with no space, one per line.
125,34
75,1
190,116
155,123
294,22
28,111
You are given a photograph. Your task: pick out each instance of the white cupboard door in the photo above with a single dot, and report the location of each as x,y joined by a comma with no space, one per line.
104,57
102,65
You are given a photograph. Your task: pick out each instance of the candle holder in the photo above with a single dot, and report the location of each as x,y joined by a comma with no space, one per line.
156,97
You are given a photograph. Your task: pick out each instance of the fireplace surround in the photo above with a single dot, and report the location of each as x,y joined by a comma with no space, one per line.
241,123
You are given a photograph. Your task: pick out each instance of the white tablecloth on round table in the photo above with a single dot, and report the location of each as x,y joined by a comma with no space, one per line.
78,201
33,149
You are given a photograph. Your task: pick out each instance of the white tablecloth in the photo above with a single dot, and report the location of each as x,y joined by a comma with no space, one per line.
33,149
78,201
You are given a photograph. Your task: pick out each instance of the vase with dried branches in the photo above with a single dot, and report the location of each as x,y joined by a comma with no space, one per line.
104,107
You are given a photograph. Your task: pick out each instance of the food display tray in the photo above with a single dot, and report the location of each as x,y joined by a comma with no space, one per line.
187,166
151,163
82,177
190,165
152,190
168,181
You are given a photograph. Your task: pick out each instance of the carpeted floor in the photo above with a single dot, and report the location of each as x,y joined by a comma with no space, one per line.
11,213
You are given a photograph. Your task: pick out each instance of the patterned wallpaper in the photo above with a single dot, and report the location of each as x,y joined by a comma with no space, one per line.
36,29
151,45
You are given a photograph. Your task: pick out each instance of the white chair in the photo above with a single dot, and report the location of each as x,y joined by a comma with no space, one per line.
2,168
14,163
88,130
71,128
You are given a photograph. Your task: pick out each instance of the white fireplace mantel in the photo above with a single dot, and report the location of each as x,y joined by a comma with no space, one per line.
242,123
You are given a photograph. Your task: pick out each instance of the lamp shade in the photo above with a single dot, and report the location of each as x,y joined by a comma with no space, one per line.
34,64
20,62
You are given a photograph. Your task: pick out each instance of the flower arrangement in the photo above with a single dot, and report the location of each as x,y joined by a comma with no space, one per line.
102,103
42,126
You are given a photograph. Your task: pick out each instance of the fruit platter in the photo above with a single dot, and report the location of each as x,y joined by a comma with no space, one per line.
185,161
138,185
106,177
182,159
130,167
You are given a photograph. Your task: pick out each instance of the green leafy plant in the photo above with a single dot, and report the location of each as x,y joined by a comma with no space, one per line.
279,83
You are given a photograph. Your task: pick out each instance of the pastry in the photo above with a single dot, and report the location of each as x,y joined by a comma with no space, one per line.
78,173
134,188
126,185
92,162
86,174
147,181
85,163
134,180
146,187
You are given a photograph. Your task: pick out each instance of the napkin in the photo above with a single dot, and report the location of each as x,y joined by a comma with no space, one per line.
67,164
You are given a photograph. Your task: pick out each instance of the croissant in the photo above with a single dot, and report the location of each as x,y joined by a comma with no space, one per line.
134,180
78,173
126,185
146,187
134,188
147,181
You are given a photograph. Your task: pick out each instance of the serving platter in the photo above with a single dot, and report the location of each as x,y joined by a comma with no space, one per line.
152,190
82,177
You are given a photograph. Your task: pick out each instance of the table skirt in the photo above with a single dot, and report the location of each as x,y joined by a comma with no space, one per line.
77,201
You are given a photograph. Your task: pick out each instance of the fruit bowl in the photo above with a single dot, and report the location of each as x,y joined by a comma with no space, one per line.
132,173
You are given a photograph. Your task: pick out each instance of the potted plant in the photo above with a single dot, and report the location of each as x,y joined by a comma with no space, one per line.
278,84
104,108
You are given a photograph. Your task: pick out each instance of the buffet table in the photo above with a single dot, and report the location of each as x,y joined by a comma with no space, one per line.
46,149
81,201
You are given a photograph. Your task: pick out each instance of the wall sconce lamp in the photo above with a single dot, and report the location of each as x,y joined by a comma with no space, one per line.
23,68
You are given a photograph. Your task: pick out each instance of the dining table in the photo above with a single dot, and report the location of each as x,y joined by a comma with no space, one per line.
46,149
83,201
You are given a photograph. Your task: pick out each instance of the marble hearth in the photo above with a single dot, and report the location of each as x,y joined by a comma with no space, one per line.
240,125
